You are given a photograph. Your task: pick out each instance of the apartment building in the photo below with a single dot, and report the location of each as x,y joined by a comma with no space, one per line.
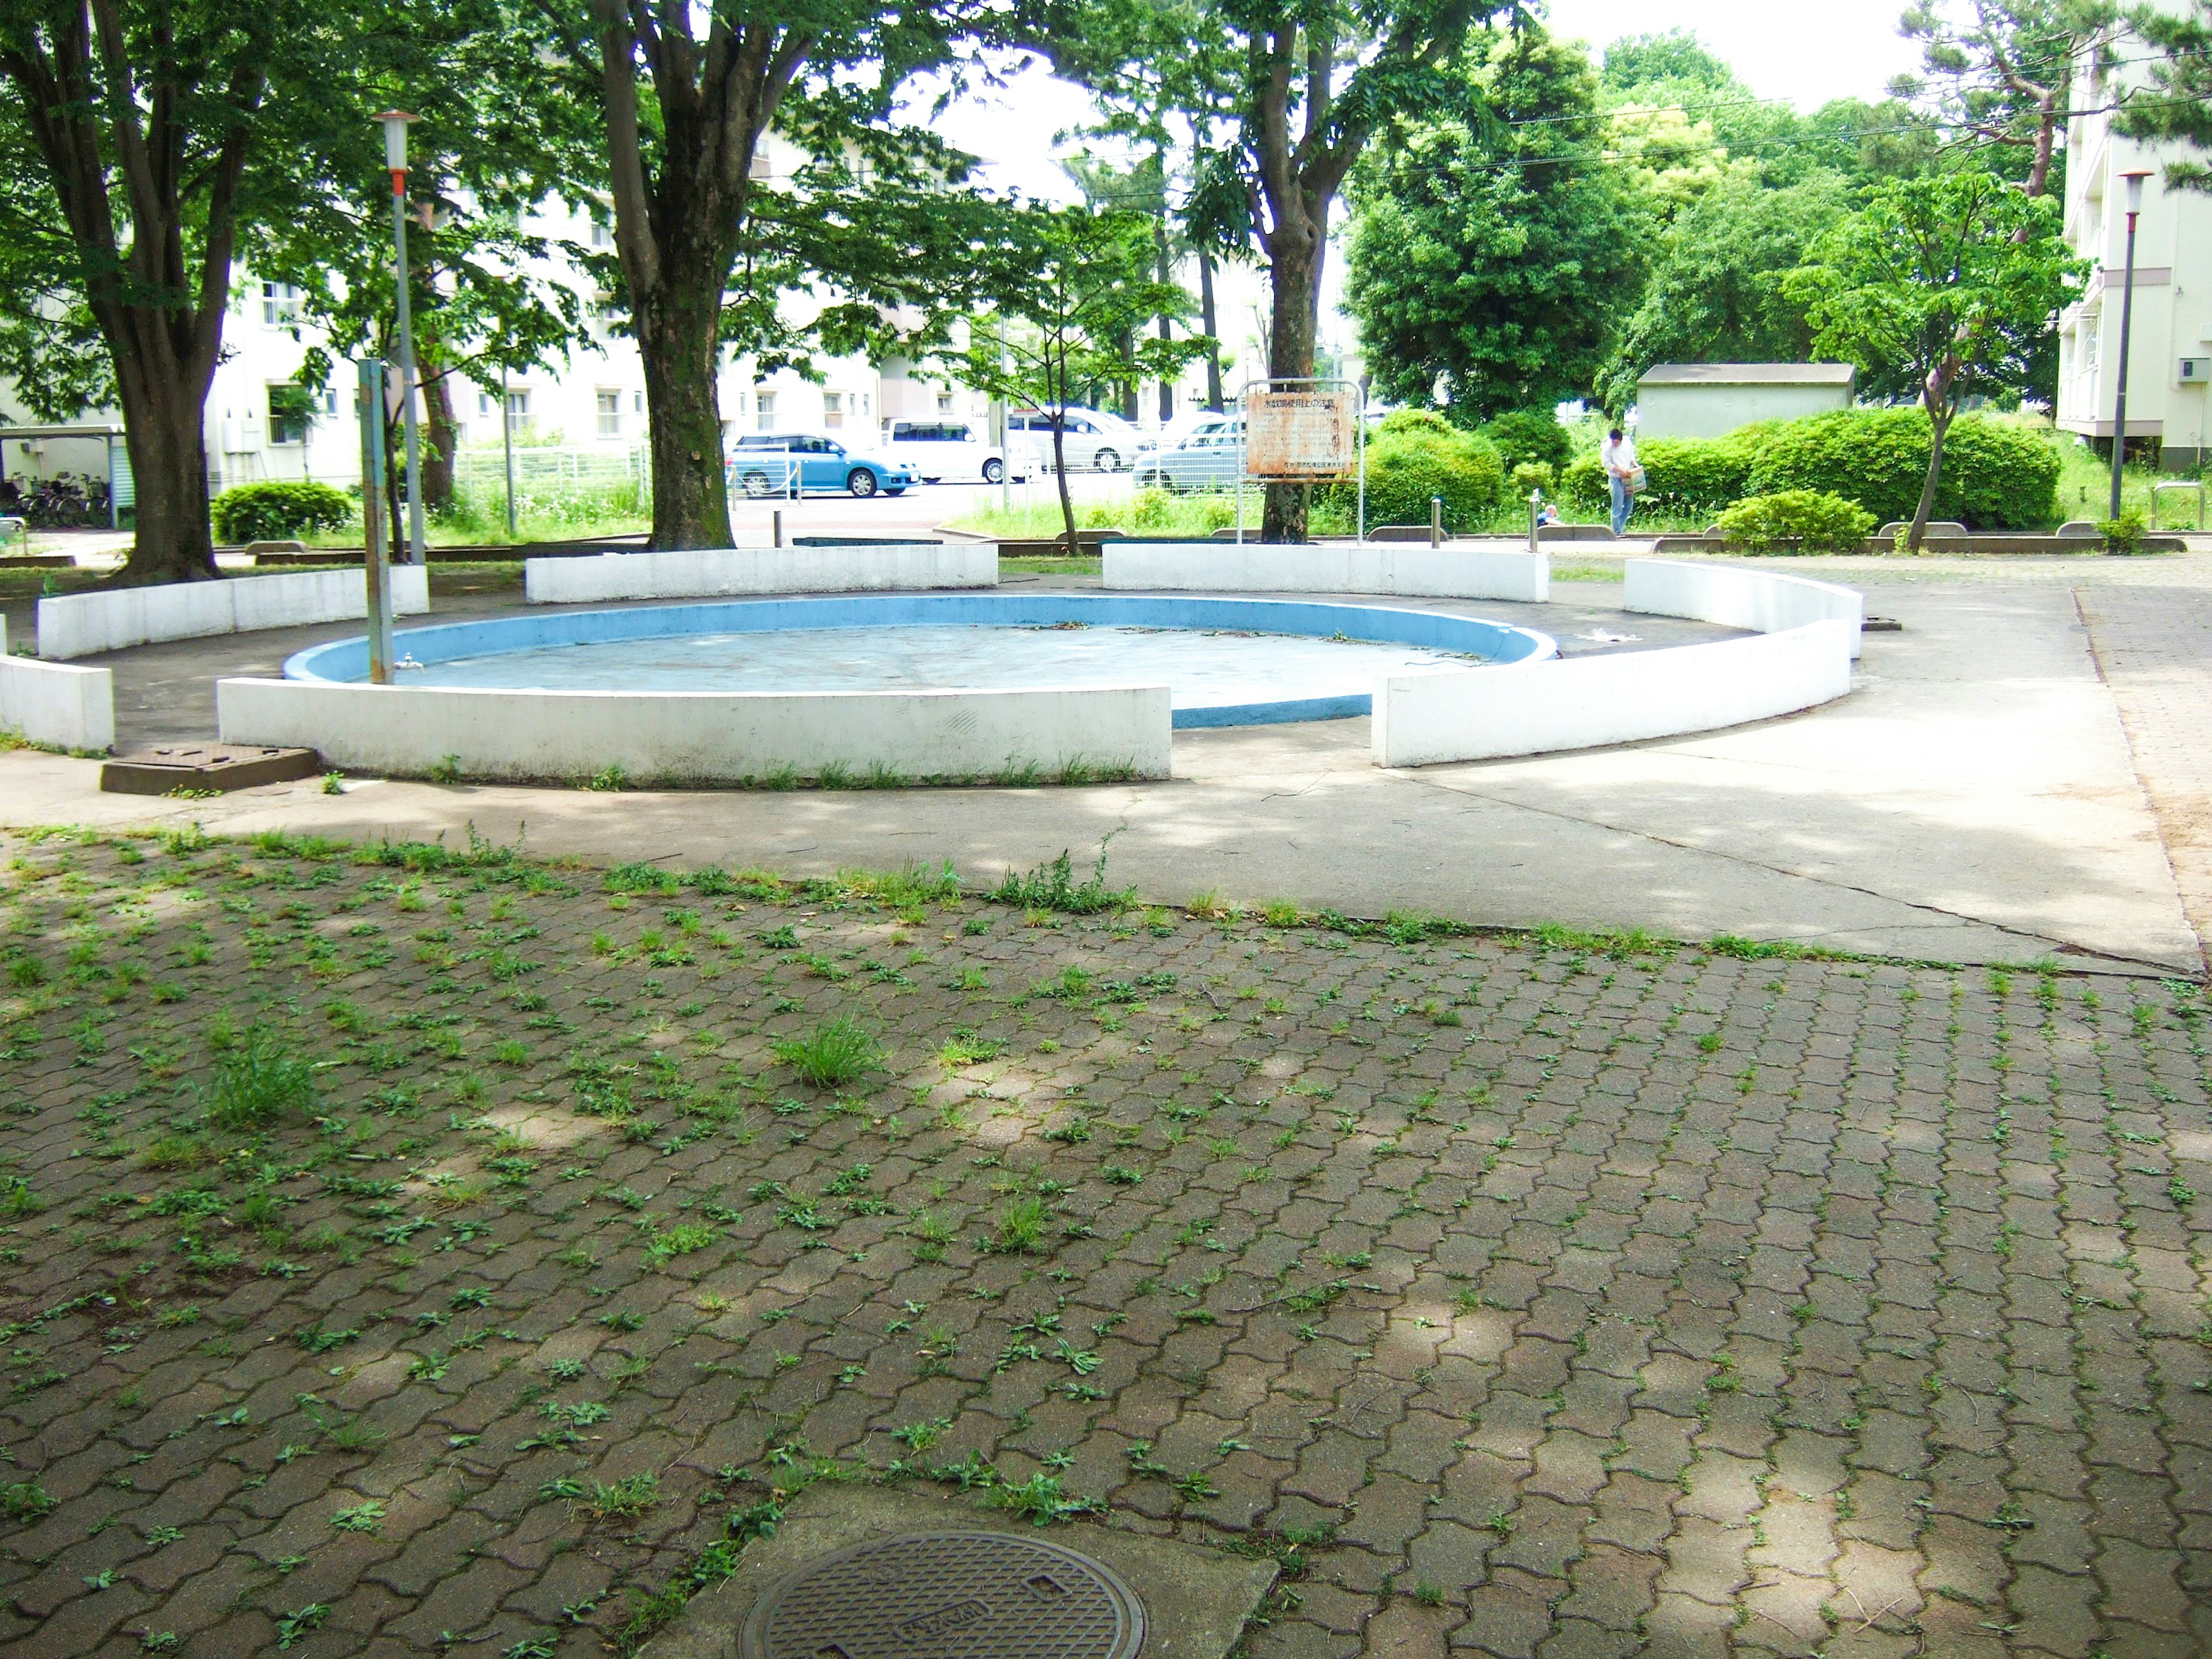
2170,349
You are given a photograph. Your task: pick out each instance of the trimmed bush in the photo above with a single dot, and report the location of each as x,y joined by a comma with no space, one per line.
1413,455
1817,521
1682,474
1583,482
1995,476
1531,476
1530,437
270,512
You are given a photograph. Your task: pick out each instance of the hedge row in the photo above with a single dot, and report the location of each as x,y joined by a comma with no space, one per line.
1416,455
1995,477
279,510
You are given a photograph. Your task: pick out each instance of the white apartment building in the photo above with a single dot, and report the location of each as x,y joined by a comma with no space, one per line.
2170,349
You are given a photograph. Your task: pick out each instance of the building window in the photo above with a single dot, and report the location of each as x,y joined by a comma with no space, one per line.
637,403
291,413
833,409
764,411
280,304
517,408
610,406
603,236
944,402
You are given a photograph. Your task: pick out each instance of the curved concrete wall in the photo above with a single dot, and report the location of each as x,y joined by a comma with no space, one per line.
703,572
1801,658
55,702
1408,570
698,737
81,625
1761,600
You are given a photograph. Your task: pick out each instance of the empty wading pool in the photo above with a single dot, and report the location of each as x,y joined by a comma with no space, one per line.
1226,662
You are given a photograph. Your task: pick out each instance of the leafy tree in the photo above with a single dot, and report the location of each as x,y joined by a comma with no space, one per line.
1492,247
139,140
1940,288
2177,107
686,91
1294,98
2000,79
1715,295
1073,291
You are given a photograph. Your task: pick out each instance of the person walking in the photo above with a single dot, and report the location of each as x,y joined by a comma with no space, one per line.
1624,477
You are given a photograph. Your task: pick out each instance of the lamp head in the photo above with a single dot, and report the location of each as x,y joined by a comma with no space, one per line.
396,123
2134,178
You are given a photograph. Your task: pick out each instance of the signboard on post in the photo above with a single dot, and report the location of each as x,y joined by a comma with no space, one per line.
1303,432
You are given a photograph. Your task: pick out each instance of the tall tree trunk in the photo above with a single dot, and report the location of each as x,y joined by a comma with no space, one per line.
165,434
1165,263
1294,277
678,344
1935,398
1213,330
438,442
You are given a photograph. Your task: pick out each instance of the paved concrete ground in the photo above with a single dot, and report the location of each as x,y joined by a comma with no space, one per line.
1977,798
1517,1301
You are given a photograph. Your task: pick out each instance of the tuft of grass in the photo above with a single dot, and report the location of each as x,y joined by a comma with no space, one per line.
448,770
24,1500
833,1054
1053,887
628,1498
608,779
258,1081
1020,1227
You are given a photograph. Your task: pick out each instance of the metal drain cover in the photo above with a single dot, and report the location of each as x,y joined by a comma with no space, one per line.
947,1596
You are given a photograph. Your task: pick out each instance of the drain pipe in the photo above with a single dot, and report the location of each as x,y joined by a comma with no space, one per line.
1436,521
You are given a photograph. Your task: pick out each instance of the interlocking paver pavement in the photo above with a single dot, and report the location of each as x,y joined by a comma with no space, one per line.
1545,1297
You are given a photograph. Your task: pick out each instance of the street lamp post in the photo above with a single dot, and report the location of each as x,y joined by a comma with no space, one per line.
2134,180
396,123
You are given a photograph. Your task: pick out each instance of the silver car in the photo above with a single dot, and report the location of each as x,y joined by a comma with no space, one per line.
1209,456
1092,442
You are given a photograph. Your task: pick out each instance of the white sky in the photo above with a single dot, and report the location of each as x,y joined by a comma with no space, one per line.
1807,53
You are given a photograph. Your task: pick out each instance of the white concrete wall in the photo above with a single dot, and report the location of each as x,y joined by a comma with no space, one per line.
1586,702
51,703
1400,568
1703,410
701,573
688,737
80,624
1760,600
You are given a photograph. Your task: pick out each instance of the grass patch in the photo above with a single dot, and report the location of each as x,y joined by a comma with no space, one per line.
258,1081
832,1055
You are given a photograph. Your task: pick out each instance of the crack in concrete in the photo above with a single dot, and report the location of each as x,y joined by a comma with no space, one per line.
1803,875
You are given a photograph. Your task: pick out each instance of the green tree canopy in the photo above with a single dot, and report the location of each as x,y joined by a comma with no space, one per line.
1715,295
2176,106
1493,253
1939,289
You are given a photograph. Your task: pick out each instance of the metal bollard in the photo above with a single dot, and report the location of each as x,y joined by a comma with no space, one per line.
779,526
1536,506
1436,521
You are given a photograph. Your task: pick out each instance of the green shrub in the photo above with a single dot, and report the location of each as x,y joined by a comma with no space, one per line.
1531,475
1994,476
1416,455
258,1081
271,511
1583,482
1820,522
2125,533
1688,474
1531,435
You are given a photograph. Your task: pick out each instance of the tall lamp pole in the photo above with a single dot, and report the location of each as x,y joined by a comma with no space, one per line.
396,123
2134,180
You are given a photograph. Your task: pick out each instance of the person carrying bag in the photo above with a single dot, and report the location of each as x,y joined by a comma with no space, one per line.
1624,477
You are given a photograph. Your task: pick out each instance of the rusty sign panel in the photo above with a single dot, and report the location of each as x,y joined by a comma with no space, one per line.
1310,432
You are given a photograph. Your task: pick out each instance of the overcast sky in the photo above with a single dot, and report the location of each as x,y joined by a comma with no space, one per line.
1807,54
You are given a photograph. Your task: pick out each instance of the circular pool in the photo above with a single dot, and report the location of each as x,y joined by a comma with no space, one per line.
1227,662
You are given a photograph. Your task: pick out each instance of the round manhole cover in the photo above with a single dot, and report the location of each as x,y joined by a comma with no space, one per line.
947,1596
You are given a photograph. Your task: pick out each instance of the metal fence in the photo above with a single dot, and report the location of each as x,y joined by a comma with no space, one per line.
540,467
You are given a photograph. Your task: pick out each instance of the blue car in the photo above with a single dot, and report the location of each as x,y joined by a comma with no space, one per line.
790,463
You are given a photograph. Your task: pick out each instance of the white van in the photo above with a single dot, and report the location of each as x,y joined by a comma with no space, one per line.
943,449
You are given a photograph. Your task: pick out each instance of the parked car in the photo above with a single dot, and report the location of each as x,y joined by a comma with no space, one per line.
941,449
1209,456
1092,439
792,463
